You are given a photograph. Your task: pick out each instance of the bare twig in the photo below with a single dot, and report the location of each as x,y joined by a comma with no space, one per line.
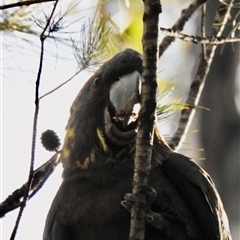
143,156
23,3
179,24
198,40
199,80
40,176
61,85
31,168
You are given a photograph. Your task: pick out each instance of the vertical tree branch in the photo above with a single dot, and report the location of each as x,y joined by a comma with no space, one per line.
35,119
203,29
197,85
152,8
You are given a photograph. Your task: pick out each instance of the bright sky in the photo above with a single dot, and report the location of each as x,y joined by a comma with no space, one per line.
20,64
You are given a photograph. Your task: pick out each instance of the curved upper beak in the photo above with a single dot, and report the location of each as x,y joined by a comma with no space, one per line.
124,95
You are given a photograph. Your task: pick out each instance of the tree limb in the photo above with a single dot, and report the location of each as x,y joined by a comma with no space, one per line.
197,39
197,85
152,8
179,24
40,176
23,3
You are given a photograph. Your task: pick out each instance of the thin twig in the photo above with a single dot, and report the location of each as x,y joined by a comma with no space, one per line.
179,24
143,155
97,35
23,3
197,85
41,174
198,40
61,85
31,168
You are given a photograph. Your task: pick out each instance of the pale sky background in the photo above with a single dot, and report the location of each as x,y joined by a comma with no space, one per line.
20,62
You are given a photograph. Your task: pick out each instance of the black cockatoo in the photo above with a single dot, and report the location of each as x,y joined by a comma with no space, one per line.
98,160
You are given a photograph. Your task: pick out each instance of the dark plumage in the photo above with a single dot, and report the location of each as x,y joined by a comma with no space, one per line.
98,155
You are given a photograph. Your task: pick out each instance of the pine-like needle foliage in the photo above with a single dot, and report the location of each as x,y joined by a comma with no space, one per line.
96,42
165,107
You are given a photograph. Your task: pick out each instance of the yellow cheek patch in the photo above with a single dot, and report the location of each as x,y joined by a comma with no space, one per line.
85,164
70,133
88,161
101,140
66,153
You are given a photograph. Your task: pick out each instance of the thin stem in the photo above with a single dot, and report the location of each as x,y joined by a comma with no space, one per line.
23,3
35,120
212,40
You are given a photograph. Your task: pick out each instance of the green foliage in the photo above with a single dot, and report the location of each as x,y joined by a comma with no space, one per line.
166,107
96,42
17,20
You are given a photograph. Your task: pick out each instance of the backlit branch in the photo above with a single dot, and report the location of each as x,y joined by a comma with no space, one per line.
142,161
23,3
197,85
198,40
43,36
179,24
